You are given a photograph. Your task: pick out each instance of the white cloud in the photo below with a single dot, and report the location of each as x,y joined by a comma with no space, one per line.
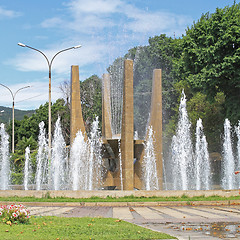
30,98
106,29
158,22
90,52
4,13
107,14
94,6
52,22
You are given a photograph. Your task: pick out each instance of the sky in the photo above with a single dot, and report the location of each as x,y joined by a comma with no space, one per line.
105,29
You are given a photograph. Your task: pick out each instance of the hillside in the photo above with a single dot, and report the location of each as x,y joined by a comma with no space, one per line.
6,114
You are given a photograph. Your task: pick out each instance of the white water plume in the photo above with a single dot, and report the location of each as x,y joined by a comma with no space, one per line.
78,158
228,165
86,160
203,180
237,129
42,158
95,158
182,152
4,159
120,163
27,169
150,177
58,164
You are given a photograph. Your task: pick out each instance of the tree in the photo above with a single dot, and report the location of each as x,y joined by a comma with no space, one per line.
211,57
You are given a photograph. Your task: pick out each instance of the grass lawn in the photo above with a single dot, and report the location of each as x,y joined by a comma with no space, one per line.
78,229
120,199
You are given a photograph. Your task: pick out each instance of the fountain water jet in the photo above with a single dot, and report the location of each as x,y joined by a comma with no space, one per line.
58,164
4,159
42,158
202,159
120,163
27,169
237,129
228,164
182,150
86,160
78,156
95,158
149,164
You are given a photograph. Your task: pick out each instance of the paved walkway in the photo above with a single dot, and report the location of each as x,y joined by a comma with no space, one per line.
202,222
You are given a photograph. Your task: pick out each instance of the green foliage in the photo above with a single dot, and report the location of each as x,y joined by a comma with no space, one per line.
91,100
17,160
17,178
211,56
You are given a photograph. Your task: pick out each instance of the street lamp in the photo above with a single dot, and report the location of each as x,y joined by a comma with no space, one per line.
13,99
49,100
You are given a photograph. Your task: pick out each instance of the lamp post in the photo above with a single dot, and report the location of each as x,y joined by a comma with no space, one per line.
13,103
49,89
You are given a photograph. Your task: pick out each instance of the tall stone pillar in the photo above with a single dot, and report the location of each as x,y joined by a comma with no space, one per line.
106,107
127,145
77,122
156,121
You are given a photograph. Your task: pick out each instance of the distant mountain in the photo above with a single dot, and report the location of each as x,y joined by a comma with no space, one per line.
6,114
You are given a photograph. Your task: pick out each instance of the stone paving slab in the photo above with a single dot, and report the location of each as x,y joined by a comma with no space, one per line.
122,213
173,212
94,211
204,214
148,213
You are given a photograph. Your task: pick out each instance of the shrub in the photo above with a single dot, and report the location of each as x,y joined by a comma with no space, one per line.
14,214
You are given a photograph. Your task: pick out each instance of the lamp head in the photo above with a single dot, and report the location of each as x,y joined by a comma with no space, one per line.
21,45
78,46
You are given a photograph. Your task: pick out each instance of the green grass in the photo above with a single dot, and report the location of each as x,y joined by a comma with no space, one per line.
77,228
120,199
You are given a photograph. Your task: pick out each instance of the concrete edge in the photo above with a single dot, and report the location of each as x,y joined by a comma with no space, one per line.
126,204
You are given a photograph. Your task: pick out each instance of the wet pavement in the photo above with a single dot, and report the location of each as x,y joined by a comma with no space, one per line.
186,222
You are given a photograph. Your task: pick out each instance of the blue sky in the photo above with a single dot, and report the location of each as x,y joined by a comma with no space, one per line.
106,29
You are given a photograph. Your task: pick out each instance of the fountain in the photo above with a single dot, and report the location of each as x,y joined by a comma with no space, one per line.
119,159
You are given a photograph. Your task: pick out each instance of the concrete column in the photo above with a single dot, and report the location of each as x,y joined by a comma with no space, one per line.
106,107
156,121
77,122
127,145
